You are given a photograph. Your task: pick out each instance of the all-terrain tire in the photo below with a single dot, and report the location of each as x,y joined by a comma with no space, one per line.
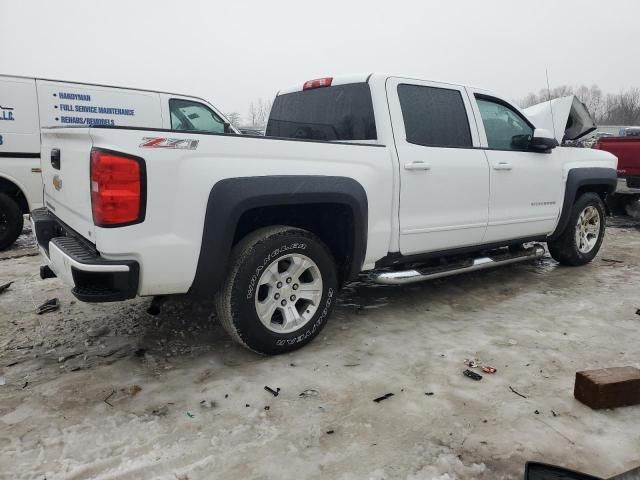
275,249
11,221
566,248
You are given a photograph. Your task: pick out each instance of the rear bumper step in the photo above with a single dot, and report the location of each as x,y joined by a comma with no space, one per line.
75,261
402,277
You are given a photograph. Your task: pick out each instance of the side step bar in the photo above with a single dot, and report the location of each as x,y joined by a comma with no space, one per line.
401,277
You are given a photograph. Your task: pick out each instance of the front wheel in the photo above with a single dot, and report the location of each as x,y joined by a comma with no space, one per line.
279,290
583,235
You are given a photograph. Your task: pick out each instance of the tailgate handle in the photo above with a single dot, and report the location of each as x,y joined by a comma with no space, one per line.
55,158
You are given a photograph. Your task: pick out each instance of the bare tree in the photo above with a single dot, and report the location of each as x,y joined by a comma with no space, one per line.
235,118
253,114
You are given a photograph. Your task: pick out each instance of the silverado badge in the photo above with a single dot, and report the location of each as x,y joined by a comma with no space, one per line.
57,182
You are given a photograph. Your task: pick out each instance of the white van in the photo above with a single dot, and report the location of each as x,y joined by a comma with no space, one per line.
29,104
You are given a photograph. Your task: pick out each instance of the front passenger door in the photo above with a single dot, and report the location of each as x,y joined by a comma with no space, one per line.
526,186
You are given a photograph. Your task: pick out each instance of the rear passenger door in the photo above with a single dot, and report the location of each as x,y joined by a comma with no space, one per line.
444,176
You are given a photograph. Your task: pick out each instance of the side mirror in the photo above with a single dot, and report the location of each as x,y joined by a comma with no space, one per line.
542,471
543,141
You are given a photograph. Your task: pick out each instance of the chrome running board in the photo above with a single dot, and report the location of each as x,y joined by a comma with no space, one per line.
401,277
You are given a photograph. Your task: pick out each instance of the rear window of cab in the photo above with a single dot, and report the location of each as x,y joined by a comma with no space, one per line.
341,112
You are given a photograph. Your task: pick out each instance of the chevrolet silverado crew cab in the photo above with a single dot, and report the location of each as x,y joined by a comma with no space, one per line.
29,104
402,178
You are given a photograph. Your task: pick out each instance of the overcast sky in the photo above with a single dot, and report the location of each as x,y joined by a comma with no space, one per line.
233,51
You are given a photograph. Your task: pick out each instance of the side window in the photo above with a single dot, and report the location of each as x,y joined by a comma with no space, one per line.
189,115
434,116
505,128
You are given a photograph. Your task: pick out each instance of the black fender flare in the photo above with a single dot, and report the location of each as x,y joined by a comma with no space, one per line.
606,178
232,197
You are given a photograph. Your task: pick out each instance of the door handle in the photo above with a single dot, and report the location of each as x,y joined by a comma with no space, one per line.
503,166
55,158
417,165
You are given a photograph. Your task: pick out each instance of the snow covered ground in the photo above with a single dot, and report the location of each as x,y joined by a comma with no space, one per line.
108,391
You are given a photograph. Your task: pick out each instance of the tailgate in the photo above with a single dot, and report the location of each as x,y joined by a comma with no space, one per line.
65,173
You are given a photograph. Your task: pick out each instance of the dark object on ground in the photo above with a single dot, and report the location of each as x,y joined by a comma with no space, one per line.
428,394
46,272
472,375
106,400
273,392
542,471
309,393
48,306
5,286
330,432
267,407
554,413
517,393
611,260
190,415
638,311
608,387
383,397
537,412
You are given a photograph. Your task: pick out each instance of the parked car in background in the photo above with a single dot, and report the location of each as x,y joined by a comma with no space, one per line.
627,149
402,178
29,104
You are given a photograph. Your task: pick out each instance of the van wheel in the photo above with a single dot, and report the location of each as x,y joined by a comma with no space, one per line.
11,221
583,235
279,290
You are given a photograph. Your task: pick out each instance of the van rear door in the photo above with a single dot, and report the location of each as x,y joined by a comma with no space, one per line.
19,128
75,104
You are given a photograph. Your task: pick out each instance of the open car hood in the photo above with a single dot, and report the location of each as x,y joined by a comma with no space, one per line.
571,120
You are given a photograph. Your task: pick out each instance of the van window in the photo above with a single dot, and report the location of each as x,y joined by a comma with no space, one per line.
434,116
341,112
505,128
190,115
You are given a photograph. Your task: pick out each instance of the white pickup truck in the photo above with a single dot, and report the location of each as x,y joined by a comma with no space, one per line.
402,178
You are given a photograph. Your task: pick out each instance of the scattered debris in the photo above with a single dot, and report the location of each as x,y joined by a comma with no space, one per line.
512,341
226,395
161,411
428,394
351,365
207,404
106,400
273,392
471,363
611,260
309,393
554,413
638,311
25,385
98,331
330,432
190,415
133,390
472,375
537,412
247,405
267,407
516,392
489,369
383,397
5,286
48,306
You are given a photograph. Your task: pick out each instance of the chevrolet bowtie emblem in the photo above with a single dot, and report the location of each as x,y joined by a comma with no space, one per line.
57,182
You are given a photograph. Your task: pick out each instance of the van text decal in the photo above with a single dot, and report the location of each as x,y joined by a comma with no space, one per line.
175,143
6,113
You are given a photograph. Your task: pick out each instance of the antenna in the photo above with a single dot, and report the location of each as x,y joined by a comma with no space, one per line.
553,121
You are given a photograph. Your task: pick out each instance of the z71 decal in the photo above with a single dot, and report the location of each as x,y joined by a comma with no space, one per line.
175,143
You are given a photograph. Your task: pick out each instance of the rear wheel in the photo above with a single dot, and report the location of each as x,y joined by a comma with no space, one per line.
583,235
279,290
11,221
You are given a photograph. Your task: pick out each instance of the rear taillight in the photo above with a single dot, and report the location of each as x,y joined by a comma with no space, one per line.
317,83
118,188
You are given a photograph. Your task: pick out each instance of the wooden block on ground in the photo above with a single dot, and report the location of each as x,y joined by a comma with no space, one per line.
608,387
